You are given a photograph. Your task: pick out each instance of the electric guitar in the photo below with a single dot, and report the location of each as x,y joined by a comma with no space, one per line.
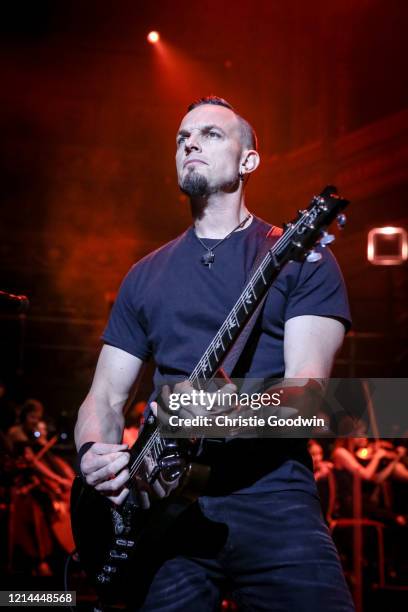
121,548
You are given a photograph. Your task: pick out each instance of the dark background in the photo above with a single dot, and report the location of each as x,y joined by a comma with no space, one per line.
88,117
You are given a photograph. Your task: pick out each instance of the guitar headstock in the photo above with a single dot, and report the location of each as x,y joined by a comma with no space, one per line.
310,226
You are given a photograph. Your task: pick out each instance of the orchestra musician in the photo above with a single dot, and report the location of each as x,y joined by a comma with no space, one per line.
374,462
39,522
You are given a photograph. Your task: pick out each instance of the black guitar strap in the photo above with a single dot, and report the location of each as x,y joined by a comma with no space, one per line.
235,353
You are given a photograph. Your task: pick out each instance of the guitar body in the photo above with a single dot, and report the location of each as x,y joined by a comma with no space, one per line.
121,548
61,525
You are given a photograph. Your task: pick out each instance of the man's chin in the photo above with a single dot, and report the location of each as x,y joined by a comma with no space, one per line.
194,184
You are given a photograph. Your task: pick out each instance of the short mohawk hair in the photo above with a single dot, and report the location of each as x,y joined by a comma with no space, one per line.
249,137
210,100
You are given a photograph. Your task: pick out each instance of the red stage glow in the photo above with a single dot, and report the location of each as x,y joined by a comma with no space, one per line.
153,37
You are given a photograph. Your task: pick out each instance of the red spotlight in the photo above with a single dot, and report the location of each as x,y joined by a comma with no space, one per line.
153,37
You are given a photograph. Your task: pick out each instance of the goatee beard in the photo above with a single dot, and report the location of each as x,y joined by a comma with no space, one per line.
195,185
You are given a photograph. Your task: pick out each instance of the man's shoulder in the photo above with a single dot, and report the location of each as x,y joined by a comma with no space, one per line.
159,255
261,226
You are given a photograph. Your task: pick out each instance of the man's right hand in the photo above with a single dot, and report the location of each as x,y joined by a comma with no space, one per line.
162,477
104,467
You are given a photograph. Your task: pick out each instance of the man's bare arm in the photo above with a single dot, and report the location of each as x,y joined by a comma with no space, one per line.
101,420
100,417
310,346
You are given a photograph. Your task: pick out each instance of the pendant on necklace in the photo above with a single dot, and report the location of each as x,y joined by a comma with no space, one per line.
208,259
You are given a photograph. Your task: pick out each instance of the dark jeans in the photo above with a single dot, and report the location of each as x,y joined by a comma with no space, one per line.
278,556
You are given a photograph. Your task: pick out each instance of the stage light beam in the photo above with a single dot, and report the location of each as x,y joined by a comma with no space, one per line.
153,37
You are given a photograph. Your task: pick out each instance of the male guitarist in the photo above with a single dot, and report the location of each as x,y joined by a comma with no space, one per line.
278,554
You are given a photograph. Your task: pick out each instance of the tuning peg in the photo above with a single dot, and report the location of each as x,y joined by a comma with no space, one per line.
326,239
341,220
312,257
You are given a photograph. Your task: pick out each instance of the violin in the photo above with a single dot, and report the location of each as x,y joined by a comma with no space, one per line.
58,494
367,452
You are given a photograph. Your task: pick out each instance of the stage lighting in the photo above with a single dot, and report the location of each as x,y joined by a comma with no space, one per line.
387,246
153,37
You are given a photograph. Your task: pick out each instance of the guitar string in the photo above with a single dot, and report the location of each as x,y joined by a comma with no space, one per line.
139,459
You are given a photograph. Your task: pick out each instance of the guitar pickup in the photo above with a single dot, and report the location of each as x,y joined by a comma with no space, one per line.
125,543
114,554
110,569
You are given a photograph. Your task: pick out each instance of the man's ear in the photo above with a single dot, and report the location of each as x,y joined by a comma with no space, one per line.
250,161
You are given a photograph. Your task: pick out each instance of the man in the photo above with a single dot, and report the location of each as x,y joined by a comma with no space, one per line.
278,555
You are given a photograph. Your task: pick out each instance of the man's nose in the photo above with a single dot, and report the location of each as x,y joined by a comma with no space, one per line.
193,143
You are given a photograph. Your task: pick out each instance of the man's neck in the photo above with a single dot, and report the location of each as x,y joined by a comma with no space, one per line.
219,214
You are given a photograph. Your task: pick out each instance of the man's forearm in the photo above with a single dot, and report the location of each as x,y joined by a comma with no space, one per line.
98,422
301,394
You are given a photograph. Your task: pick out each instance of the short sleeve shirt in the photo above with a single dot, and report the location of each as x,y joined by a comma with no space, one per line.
170,305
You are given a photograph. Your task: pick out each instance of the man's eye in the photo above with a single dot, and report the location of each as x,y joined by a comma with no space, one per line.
213,134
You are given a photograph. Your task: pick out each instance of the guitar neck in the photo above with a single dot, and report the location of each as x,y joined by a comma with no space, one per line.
240,313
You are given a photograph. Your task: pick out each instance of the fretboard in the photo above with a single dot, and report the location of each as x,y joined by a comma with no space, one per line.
239,314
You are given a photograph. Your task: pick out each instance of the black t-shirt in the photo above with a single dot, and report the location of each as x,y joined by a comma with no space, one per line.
170,306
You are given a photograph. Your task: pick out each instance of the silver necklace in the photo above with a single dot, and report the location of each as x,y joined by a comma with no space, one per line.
209,257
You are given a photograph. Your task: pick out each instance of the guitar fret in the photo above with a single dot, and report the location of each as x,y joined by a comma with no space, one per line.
231,322
247,297
206,367
251,285
215,354
242,313
219,341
